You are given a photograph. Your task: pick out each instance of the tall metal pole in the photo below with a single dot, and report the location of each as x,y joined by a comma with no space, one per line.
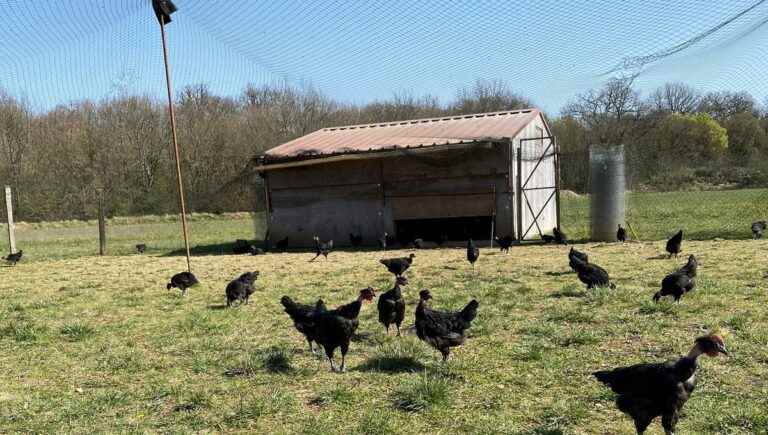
175,144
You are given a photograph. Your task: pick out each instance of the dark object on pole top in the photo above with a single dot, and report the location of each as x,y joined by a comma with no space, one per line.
163,10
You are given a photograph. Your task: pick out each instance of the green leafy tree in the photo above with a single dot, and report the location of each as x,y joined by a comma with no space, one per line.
690,138
745,136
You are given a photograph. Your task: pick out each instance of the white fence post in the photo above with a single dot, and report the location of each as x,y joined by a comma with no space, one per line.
9,214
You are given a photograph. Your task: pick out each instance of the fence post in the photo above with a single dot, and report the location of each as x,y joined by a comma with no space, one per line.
9,214
102,226
519,195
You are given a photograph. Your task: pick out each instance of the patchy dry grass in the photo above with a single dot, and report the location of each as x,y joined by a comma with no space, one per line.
98,345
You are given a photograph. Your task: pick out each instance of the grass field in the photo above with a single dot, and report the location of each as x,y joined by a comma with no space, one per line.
209,234
704,215
96,344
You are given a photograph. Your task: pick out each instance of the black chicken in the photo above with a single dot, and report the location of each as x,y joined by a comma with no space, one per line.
546,238
758,228
241,247
443,330
356,240
674,244
647,391
504,243
398,266
418,243
183,281
575,255
559,236
282,244
141,248
391,305
304,317
334,329
322,248
473,253
680,282
591,274
12,259
241,288
621,234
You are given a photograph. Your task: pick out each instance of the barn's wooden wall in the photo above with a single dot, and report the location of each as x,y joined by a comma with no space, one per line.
366,196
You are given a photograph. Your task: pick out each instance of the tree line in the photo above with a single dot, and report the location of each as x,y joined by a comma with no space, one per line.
674,138
61,161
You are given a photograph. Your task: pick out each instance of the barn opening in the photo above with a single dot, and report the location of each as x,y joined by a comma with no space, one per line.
451,229
425,178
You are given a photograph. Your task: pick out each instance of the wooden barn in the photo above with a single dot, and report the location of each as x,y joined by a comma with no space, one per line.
443,178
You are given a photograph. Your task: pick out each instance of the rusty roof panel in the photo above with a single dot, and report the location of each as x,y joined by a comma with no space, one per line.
404,134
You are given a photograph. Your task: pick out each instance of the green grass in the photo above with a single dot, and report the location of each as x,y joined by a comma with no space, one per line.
209,234
703,215
422,393
90,344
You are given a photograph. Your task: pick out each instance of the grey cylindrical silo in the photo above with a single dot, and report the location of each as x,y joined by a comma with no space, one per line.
607,188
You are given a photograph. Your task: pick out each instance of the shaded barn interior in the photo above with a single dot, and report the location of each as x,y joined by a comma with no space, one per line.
435,179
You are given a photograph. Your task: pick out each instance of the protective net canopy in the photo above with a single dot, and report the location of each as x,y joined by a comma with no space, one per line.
682,86
57,52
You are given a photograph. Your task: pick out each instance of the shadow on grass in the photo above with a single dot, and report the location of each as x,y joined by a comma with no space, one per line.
364,337
544,430
211,249
569,293
217,307
272,360
391,364
227,248
567,272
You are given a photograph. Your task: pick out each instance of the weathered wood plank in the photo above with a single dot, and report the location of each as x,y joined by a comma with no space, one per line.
445,206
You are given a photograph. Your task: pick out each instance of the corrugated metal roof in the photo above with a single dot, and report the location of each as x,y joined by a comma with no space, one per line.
403,134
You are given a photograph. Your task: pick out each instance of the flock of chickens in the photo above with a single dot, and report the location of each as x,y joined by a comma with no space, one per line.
334,329
644,391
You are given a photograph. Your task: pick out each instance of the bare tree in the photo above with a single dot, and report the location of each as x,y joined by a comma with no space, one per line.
675,98
609,113
724,104
488,96
15,120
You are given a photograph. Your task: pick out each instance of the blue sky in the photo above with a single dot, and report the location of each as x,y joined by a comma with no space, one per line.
356,51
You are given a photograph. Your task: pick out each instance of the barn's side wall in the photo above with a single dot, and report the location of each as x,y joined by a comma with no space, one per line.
366,196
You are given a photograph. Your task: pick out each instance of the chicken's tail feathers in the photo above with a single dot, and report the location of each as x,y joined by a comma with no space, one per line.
470,311
604,376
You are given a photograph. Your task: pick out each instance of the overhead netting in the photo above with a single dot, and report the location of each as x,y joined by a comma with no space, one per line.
250,74
56,52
